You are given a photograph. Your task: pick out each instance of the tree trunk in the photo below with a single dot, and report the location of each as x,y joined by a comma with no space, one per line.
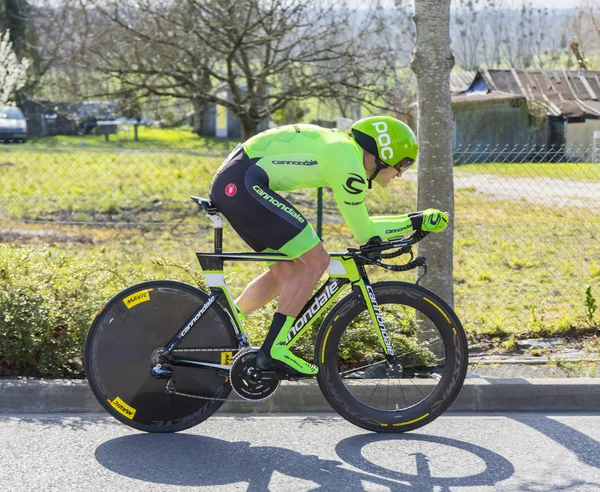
249,127
432,62
199,109
16,21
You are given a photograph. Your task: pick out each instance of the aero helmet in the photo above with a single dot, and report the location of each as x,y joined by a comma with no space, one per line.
391,141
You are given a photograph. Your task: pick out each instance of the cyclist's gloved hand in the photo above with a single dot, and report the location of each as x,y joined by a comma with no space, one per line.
430,220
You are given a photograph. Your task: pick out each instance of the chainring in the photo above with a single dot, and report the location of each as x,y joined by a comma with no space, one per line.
248,381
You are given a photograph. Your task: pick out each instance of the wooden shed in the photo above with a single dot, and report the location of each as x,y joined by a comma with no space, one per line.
531,109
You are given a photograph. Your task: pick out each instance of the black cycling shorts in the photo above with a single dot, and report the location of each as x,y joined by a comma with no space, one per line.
266,221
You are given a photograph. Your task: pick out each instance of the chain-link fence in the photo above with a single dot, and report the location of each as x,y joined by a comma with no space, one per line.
97,196
526,222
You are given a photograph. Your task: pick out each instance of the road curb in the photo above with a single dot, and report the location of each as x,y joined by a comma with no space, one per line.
478,395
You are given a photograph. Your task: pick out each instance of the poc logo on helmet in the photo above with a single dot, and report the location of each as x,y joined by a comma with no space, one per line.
383,139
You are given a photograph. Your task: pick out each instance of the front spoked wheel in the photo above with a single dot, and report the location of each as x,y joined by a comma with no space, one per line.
120,347
384,394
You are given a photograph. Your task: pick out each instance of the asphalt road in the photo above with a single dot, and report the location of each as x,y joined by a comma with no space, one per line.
510,452
560,192
543,190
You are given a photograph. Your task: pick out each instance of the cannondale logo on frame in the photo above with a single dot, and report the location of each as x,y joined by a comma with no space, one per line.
230,189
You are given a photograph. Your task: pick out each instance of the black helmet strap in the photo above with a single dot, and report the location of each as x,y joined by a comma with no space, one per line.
380,165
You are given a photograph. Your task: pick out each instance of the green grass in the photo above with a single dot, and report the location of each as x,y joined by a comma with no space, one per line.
570,171
126,186
520,269
155,138
73,184
526,276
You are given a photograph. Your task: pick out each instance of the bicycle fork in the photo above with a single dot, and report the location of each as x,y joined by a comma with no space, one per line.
376,316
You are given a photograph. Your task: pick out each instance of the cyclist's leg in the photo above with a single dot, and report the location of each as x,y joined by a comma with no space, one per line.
266,221
296,291
308,269
265,287
293,282
310,262
232,201
269,285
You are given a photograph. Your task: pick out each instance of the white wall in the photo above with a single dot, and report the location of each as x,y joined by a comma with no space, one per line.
580,136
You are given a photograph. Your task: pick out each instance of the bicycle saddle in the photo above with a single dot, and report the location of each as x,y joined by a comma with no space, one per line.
206,204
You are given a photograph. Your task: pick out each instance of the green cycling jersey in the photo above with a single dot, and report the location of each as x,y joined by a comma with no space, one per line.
308,156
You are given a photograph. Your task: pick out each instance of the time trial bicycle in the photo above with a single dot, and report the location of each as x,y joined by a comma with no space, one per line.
163,356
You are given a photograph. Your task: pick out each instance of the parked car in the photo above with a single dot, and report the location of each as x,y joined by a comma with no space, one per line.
13,127
85,120
87,114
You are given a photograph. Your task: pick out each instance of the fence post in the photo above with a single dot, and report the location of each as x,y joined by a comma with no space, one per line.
320,213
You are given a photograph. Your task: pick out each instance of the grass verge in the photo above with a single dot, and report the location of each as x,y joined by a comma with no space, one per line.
521,268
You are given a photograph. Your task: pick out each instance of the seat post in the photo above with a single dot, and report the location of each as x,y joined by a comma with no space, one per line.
212,213
218,224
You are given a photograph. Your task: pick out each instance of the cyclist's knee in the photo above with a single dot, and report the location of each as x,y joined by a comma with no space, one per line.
316,260
282,271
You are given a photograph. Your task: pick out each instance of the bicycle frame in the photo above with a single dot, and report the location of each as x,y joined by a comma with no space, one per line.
344,270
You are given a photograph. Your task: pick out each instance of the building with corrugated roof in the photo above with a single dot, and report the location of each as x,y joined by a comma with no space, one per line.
506,109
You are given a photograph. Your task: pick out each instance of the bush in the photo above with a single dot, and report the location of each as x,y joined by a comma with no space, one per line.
47,302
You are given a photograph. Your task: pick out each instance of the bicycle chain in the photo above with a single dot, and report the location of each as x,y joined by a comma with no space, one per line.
209,350
174,391
170,388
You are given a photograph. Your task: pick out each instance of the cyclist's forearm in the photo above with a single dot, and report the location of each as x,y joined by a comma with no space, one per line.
387,218
384,227
364,227
392,226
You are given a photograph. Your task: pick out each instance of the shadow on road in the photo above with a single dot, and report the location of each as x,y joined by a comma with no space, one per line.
585,448
438,461
192,460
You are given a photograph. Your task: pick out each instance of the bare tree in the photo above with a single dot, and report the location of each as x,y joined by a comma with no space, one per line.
134,50
484,34
591,10
264,53
471,32
388,47
584,29
51,29
497,26
432,62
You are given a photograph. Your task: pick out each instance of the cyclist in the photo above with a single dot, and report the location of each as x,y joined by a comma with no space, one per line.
293,157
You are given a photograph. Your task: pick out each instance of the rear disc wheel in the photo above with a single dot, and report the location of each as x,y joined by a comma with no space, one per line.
125,334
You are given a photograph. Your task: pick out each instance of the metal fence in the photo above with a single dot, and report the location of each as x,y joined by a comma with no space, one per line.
526,222
99,196
528,153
